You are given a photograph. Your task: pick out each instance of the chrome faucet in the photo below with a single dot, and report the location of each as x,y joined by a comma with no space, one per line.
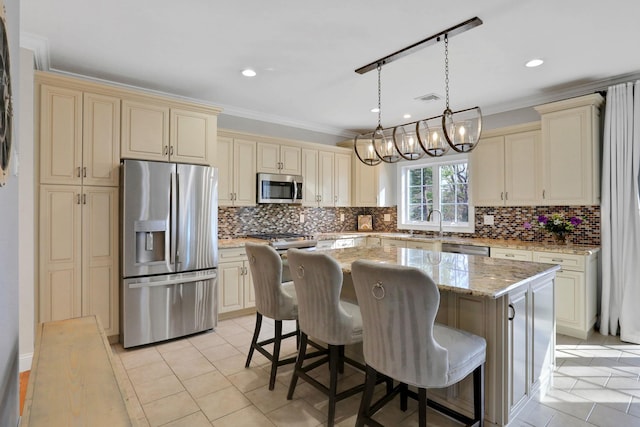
439,223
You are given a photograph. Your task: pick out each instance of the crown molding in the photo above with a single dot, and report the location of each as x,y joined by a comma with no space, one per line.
40,47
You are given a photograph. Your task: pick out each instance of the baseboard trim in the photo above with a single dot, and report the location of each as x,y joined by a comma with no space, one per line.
25,362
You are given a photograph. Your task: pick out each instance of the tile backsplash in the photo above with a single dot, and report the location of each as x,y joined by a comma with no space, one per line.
508,221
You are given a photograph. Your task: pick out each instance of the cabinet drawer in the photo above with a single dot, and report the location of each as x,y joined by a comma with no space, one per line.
515,254
325,244
344,243
430,246
568,261
232,254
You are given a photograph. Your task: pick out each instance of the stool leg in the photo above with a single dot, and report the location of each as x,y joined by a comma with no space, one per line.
341,359
334,366
256,332
478,395
298,366
365,404
276,354
403,397
422,407
297,334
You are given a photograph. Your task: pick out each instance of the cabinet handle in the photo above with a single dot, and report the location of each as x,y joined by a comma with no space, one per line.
78,199
335,199
557,259
171,150
78,172
502,195
543,194
506,195
84,172
513,309
84,199
510,255
166,150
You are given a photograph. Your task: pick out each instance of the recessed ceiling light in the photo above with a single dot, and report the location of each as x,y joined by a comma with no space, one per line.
375,110
248,72
407,116
534,63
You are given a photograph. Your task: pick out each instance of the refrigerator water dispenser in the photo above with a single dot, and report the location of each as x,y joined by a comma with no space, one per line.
150,238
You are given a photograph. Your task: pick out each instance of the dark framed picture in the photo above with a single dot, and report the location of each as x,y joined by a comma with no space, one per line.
6,109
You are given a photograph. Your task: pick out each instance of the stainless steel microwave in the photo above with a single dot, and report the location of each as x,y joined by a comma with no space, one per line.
277,188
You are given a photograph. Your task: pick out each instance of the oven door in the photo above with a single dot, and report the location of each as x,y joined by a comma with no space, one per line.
274,188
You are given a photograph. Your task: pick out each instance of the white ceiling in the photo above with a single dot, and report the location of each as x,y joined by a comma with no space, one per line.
306,52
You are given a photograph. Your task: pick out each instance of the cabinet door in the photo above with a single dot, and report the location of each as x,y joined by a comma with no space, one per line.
249,290
325,178
290,160
310,196
268,158
60,135
60,257
568,153
193,136
518,348
100,274
231,286
523,184
224,160
342,182
244,172
542,342
392,243
145,131
101,141
570,300
487,171
365,185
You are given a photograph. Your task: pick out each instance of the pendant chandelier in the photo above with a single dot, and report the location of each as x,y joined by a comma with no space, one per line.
434,136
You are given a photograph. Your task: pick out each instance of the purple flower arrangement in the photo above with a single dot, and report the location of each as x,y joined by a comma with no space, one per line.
556,223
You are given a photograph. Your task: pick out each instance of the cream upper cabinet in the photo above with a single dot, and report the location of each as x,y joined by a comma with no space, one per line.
506,168
277,158
155,130
145,130
237,172
79,254
79,137
327,178
571,151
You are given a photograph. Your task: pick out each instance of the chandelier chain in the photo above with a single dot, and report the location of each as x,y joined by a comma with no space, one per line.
379,94
446,68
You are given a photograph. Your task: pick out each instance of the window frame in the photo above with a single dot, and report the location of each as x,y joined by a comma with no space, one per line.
433,225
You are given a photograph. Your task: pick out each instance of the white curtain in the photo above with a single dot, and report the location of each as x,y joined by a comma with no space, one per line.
620,210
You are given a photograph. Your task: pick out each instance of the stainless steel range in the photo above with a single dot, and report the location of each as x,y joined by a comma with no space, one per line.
283,241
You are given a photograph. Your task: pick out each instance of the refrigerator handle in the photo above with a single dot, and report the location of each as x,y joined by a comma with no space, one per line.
173,213
176,230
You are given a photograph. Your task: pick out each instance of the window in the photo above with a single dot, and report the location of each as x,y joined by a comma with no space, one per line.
435,184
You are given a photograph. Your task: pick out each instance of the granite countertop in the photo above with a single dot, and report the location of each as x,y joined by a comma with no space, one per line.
238,243
466,274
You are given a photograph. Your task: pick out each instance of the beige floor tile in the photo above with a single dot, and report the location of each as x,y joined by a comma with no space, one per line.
197,419
297,413
189,368
228,328
221,403
564,420
536,414
173,345
150,372
218,352
268,400
257,359
231,365
240,338
169,408
206,340
249,379
207,383
143,422
245,417
604,396
433,419
603,416
634,408
568,403
184,353
162,387
139,357
629,386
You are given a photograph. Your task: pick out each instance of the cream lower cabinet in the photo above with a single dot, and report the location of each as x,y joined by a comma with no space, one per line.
235,286
236,172
519,331
576,291
514,254
78,243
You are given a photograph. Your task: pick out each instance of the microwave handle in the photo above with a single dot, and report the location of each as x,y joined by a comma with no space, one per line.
295,191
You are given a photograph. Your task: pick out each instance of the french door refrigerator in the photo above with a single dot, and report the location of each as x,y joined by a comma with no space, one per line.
169,256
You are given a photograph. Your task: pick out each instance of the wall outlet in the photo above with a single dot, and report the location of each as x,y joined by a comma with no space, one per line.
301,217
387,217
341,217
488,220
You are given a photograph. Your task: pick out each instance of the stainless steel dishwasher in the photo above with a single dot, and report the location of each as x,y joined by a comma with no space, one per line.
457,248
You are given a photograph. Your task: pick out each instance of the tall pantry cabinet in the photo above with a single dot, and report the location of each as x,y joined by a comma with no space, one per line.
79,136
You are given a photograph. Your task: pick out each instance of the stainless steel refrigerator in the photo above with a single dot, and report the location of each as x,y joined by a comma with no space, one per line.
169,256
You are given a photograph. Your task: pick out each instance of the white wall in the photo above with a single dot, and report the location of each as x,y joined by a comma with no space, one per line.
26,202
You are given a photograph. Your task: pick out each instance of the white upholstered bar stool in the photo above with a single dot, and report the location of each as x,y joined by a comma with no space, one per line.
274,300
322,316
402,341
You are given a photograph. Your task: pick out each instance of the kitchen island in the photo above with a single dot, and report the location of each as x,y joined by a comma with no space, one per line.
509,303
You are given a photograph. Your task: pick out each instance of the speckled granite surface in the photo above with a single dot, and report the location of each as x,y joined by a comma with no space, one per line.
467,274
